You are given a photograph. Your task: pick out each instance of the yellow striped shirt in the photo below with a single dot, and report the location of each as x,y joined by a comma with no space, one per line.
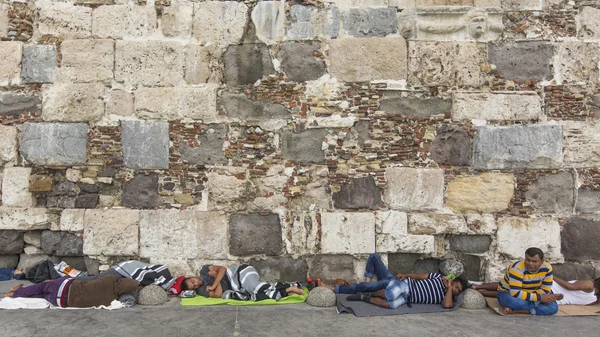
525,285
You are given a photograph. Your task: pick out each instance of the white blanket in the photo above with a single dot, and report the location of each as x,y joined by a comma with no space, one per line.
40,303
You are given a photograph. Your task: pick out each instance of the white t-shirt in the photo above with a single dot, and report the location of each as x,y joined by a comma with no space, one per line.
579,297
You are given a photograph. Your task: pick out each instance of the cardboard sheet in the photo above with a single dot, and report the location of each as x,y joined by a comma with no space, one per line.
563,310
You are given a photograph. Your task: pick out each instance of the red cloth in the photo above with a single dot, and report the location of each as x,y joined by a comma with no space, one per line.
176,287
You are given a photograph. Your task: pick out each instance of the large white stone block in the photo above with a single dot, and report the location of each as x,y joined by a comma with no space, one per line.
581,144
73,102
588,23
269,19
3,20
78,66
480,224
25,219
422,244
121,21
149,63
10,54
347,233
111,232
496,106
64,20
8,145
199,64
577,62
176,20
220,23
411,189
515,235
15,187
177,103
391,222
226,192
487,192
436,223
71,220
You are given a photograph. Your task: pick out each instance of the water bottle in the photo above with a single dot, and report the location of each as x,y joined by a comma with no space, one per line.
188,293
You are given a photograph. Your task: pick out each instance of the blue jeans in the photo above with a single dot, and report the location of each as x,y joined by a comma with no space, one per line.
396,293
535,308
375,267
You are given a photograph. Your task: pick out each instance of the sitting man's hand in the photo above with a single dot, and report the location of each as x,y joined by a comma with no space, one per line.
210,288
548,298
400,277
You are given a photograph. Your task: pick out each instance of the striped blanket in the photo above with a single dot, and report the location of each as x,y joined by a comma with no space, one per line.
246,285
146,274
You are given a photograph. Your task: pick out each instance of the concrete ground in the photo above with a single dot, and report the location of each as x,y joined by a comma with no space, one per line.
289,320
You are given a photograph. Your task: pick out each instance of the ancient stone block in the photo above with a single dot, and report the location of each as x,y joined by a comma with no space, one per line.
141,192
13,104
121,21
308,22
412,263
588,23
515,235
579,238
470,243
480,223
111,232
54,143
280,269
496,106
574,271
185,234
25,219
11,242
452,146
71,220
429,65
77,65
73,102
255,234
226,192
414,189
44,185
522,61
577,62
391,222
199,64
15,187
239,107
299,62
210,148
394,104
61,244
247,63
347,233
581,142
405,244
10,53
30,261
359,193
33,238
436,223
220,23
331,267
177,103
119,102
304,146
487,192
518,146
86,201
552,193
269,18
522,4
8,145
149,63
9,261
4,23
66,20
367,59
145,145
588,201
369,22
176,20
444,2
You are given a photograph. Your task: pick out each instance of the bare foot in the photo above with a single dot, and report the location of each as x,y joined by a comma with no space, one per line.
15,287
295,290
559,297
367,279
320,283
506,311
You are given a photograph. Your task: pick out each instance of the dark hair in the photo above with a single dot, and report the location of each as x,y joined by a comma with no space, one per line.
463,282
533,251
597,284
184,284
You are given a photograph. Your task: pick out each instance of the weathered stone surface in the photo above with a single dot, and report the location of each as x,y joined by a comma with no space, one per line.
220,23
64,188
470,243
239,107
412,263
473,299
185,234
452,146
359,193
200,64
519,146
44,185
247,63
391,222
331,267
308,22
347,233
141,192
153,295
149,63
255,234
588,23
452,266
588,201
579,238
472,266
63,19
24,219
210,148
77,66
388,243
573,271
71,220
496,106
73,102
487,192
367,59
61,244
13,104
552,193
321,297
283,269
10,53
176,20
414,189
54,143
521,61
33,238
480,223
121,21
8,145
369,22
30,261
305,146
226,192
577,62
299,62
436,223
363,3
145,144
15,187
177,103
581,144
429,64
522,4
111,232
11,242
119,102
269,18
4,24
86,201
515,235
394,104
9,261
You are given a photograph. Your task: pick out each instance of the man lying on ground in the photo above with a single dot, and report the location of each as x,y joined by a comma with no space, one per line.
67,292
241,282
392,292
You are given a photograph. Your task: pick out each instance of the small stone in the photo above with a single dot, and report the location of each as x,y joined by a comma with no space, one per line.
152,295
321,297
73,175
41,186
452,267
473,299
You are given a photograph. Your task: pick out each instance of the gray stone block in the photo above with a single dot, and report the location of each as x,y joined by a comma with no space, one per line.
452,146
39,64
574,271
552,193
240,107
64,188
370,22
247,63
255,234
299,62
141,192
308,22
519,146
9,261
359,193
87,201
12,105
394,104
304,147
145,145
470,243
11,242
92,266
588,201
283,269
54,143
331,267
61,244
522,60
472,265
580,237
452,266
89,188
412,263
29,261
210,150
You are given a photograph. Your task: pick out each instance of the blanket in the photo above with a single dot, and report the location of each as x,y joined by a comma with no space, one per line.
40,303
363,309
563,310
204,301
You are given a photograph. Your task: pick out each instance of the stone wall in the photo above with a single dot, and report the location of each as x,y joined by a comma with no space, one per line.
300,136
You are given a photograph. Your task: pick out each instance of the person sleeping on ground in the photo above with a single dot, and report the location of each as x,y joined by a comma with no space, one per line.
240,282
